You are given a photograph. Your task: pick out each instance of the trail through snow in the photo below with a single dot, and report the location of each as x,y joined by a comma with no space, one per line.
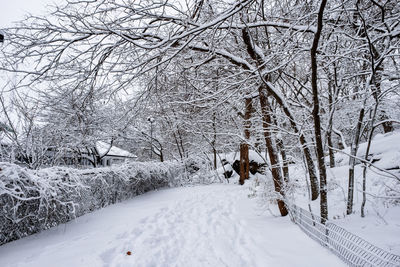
216,225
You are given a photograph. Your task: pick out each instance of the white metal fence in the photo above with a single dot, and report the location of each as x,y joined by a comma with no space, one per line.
352,249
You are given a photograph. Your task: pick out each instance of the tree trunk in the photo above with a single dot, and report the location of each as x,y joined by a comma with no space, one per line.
244,147
306,150
316,117
244,163
376,81
214,141
285,164
364,185
331,154
331,97
353,153
311,168
272,152
281,150
247,118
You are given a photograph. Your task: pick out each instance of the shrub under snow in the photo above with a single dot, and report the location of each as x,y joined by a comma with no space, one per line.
34,200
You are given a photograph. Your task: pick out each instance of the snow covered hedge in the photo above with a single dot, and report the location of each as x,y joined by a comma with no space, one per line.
34,200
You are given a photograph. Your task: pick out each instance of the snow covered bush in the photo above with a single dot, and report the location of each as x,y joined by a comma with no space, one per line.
199,171
34,200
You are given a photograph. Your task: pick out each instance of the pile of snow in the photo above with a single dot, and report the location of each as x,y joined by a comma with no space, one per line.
384,152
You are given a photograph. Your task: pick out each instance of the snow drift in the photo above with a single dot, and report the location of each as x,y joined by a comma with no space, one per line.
384,152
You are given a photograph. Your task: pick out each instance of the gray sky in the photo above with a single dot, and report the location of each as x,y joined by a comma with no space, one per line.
14,10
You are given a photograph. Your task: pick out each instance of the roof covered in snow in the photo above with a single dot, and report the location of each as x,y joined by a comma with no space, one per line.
103,147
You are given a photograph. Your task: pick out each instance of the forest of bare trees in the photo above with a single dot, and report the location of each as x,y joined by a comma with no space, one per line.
295,81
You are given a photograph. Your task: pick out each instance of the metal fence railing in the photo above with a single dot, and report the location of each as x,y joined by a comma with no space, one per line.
352,249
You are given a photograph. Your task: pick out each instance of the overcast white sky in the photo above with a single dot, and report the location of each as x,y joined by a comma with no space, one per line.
14,10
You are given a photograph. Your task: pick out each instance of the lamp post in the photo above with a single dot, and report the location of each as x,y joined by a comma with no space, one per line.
151,120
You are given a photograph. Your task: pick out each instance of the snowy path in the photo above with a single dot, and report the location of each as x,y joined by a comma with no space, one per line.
215,225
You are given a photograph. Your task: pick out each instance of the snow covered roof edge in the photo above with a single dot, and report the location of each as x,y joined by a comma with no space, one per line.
102,148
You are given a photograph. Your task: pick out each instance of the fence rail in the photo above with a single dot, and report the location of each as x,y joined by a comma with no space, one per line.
352,249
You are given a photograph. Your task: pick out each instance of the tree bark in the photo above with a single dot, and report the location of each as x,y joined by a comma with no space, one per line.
247,118
332,95
281,150
354,148
316,116
244,163
272,152
244,147
214,141
285,164
331,152
364,185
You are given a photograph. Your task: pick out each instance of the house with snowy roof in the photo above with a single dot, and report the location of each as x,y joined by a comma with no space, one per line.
99,154
110,154
102,154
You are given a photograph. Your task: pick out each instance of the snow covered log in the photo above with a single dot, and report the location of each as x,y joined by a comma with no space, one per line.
34,200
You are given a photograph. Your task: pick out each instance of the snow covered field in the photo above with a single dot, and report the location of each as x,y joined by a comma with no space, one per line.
215,225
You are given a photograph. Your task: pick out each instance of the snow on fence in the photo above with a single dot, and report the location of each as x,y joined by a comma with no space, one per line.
352,249
34,200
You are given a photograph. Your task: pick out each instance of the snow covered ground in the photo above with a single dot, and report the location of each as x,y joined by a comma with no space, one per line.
381,225
215,225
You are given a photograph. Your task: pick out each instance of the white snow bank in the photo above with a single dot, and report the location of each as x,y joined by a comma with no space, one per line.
384,151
